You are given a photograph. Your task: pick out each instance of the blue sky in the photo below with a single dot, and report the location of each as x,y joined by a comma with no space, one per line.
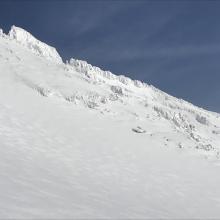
174,45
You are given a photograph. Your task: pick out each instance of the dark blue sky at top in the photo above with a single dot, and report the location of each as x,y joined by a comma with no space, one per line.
174,45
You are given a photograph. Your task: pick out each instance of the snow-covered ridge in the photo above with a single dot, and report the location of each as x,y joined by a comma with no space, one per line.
26,39
96,73
36,46
73,137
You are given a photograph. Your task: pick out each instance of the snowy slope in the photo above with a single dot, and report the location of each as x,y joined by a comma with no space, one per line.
70,147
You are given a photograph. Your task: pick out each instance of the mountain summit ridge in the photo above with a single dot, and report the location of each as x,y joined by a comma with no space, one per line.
95,73
40,48
106,92
36,46
79,142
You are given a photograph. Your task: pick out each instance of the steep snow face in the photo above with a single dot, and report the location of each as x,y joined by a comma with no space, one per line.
36,46
80,142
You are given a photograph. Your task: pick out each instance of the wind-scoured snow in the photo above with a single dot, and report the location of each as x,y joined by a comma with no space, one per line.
80,142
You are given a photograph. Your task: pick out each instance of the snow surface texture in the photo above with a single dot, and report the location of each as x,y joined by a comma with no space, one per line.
80,142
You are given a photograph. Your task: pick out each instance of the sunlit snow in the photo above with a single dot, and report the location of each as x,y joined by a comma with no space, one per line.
80,142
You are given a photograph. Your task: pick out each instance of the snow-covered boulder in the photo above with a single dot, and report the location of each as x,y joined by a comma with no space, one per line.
138,129
36,46
117,89
202,119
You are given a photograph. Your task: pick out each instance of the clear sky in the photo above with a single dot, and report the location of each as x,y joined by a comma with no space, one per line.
174,45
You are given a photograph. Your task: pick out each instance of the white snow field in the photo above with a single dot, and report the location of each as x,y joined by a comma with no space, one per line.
79,142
